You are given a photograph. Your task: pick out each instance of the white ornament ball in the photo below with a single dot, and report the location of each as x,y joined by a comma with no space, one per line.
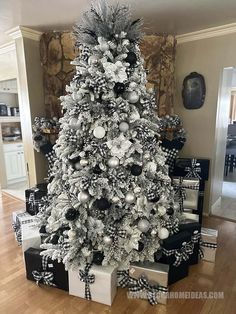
84,197
113,162
176,206
71,234
93,59
77,165
137,190
133,97
124,126
115,199
151,167
143,225
153,233
130,198
107,240
99,132
163,233
161,210
83,162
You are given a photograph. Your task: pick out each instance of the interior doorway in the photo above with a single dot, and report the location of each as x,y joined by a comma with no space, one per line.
226,205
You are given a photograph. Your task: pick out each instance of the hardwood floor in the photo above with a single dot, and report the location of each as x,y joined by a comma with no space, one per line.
18,295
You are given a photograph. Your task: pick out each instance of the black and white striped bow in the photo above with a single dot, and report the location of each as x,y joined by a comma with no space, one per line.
116,233
192,172
87,279
181,254
180,190
196,236
45,277
137,285
204,245
123,278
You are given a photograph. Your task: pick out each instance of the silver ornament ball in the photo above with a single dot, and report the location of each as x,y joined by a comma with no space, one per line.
113,162
77,165
130,198
143,225
99,132
115,199
133,97
71,234
107,240
176,206
124,126
73,123
84,197
163,233
153,233
93,59
83,162
161,210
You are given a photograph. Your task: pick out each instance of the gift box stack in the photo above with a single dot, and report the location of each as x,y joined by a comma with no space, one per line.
34,197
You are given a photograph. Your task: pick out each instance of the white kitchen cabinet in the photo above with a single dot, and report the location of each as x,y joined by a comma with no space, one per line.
8,86
14,162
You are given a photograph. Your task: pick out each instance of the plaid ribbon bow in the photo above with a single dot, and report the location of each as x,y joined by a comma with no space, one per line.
87,279
192,172
123,278
205,244
180,190
45,277
195,237
115,233
181,254
137,285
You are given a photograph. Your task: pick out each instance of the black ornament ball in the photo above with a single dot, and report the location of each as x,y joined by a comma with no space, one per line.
74,160
38,138
140,246
136,170
131,58
154,199
55,239
119,88
102,203
42,229
153,212
170,211
71,214
98,257
97,170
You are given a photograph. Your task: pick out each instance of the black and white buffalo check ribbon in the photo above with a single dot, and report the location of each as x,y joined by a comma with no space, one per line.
123,278
206,245
180,189
137,285
115,233
181,254
45,277
87,279
194,170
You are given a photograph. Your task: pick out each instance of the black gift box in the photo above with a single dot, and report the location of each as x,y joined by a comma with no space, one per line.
33,197
33,261
194,228
182,163
174,242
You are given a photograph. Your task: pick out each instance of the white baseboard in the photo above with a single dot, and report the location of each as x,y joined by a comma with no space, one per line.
216,204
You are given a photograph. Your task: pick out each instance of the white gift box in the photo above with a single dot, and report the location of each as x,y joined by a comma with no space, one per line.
190,217
19,212
103,290
20,218
30,236
156,274
209,244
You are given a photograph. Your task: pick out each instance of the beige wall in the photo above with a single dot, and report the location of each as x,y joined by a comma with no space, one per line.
208,57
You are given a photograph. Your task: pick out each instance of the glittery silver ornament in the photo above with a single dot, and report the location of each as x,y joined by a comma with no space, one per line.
175,206
153,233
83,197
107,240
115,199
151,167
93,59
130,198
83,162
143,225
163,233
133,97
99,132
137,190
146,156
124,126
113,162
71,234
161,210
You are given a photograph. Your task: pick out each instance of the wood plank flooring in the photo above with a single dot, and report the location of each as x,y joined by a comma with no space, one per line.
18,295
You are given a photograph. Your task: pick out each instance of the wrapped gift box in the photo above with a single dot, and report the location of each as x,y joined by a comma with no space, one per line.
33,197
33,262
192,167
15,226
156,275
30,236
175,243
187,192
209,244
102,290
194,228
190,217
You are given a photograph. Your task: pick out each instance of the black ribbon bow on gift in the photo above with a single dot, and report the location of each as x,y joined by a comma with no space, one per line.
123,278
87,279
181,254
45,277
137,285
192,172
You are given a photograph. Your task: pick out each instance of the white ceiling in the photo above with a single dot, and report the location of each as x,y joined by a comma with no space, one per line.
171,16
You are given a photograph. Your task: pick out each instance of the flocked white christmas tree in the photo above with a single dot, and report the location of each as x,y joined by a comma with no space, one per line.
111,199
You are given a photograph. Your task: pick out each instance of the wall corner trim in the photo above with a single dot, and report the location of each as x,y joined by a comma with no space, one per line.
207,33
8,47
24,32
